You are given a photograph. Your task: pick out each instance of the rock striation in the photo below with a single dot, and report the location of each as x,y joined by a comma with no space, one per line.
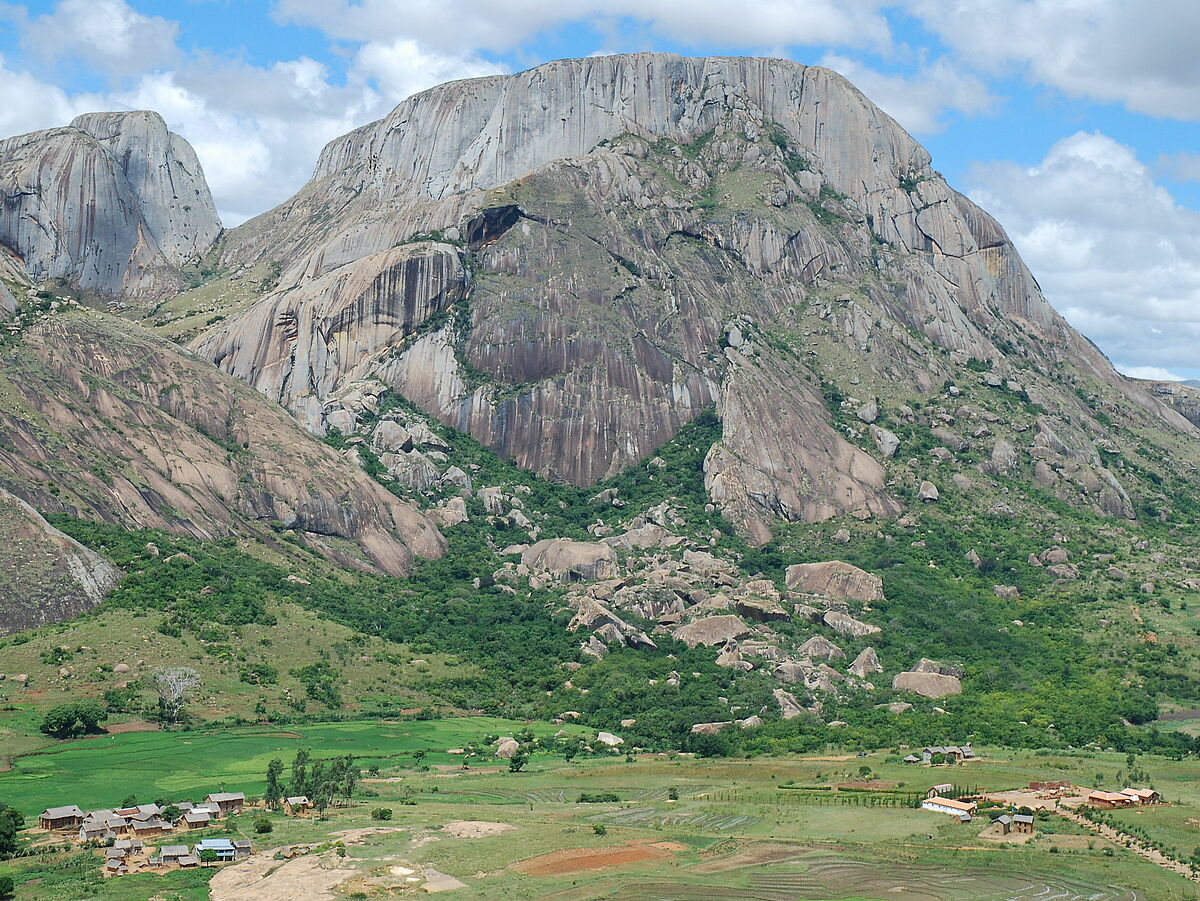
634,237
48,576
113,204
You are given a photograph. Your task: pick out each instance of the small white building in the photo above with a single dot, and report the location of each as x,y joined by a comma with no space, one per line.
949,805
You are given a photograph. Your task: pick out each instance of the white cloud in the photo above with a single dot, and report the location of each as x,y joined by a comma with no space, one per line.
468,25
30,104
1182,166
1142,55
1112,249
401,68
919,100
1157,373
108,34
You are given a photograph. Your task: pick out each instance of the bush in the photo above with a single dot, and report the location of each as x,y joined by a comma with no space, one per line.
263,825
381,813
7,887
599,829
74,719
598,798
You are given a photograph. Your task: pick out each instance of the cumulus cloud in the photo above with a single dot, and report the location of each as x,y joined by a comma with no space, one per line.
108,34
492,25
1142,55
1157,373
1110,247
920,100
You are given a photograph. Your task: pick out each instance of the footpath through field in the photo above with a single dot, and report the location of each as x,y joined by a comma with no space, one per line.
1113,835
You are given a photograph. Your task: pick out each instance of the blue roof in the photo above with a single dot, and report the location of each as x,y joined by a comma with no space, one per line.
217,844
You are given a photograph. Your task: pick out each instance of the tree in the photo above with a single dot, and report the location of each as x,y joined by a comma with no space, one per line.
7,888
300,785
207,856
418,756
74,719
12,821
173,685
263,824
274,792
381,813
171,813
517,762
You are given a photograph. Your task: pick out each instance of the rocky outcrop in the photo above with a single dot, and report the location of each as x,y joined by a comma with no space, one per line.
834,579
114,204
845,624
865,664
128,428
649,236
47,575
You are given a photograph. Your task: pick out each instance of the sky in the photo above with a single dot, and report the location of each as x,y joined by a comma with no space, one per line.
1075,122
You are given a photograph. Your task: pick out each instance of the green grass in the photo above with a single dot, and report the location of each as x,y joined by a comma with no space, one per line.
99,772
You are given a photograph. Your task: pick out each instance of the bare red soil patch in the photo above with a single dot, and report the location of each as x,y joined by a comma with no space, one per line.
574,860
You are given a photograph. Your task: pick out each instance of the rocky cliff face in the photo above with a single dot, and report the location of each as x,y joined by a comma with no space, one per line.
47,576
101,419
113,204
625,241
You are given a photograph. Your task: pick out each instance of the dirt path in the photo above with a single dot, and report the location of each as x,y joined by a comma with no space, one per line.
262,878
1120,838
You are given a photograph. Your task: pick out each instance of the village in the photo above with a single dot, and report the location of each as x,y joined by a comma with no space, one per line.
122,833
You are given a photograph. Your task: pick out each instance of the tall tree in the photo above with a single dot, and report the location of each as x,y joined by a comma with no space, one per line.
300,781
274,793
173,685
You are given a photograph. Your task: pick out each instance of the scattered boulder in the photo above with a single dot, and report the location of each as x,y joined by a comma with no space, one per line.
868,412
607,738
865,663
896,707
391,436
1065,571
885,440
1054,555
845,624
973,558
709,728
1146,588
820,648
834,579
841,536
449,513
1004,457
571,561
928,685
928,492
1115,572
1006,592
789,707
712,631
121,668
760,610
750,722
507,747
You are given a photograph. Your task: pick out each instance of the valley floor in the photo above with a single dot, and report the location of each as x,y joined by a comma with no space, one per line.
829,826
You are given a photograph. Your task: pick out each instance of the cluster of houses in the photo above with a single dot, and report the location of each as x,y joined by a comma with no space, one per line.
1126,797
949,754
128,827
130,856
140,821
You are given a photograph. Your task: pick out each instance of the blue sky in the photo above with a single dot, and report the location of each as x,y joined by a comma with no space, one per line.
1077,124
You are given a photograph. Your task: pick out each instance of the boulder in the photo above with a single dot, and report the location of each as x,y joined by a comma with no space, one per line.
709,728
973,558
789,707
868,412
507,747
928,492
790,671
865,663
571,561
712,631
750,722
594,647
820,648
885,440
759,610
607,738
449,513
845,624
1006,592
928,685
1066,571
1055,555
896,707
834,579
391,436
1003,458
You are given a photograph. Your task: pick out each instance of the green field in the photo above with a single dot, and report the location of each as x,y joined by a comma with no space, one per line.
99,772
772,829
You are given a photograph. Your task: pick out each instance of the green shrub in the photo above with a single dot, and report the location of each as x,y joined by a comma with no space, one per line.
74,719
381,813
